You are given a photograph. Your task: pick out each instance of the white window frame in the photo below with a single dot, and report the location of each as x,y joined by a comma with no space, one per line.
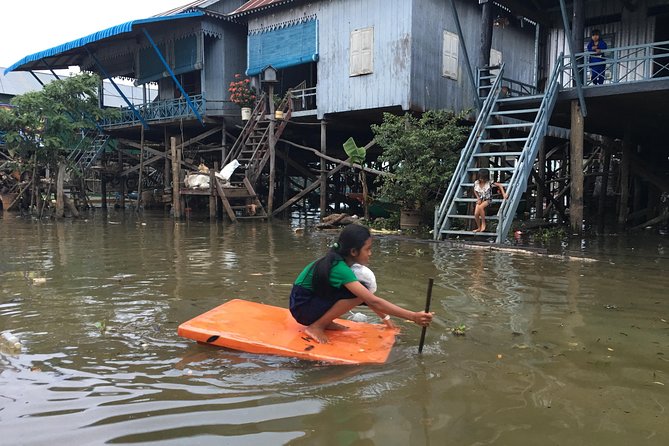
449,55
361,56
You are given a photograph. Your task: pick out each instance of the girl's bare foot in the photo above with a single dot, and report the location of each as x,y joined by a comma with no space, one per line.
336,326
482,229
317,334
476,230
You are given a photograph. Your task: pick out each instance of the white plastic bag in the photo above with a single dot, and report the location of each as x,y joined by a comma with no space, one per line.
227,171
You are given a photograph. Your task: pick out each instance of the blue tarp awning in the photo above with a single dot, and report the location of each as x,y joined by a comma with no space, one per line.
28,61
283,46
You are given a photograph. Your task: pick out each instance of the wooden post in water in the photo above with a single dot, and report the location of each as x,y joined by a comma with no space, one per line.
576,168
176,199
141,166
103,190
212,192
272,153
624,177
604,184
324,177
121,180
541,164
60,201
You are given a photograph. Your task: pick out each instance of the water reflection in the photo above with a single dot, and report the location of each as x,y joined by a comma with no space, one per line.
554,348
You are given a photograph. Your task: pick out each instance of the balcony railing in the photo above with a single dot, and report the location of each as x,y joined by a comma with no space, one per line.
304,99
623,64
158,111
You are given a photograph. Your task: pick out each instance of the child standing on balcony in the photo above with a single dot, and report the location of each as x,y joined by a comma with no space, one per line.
483,192
597,65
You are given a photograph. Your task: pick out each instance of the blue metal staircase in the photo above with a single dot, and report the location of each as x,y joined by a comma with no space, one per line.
505,140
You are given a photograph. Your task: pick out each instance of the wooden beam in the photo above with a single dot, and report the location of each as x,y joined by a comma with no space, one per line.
653,221
338,161
200,137
176,199
308,189
303,170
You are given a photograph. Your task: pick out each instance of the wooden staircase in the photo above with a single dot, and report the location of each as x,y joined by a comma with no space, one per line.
252,151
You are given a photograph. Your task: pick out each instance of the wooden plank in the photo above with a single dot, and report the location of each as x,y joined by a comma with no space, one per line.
309,188
224,200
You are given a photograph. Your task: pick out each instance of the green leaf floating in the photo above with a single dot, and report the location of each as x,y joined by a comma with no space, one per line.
357,154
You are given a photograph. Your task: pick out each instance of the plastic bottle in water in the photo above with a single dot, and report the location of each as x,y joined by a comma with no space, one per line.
10,341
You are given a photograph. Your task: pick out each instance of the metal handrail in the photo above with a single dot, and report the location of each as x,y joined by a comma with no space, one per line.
633,63
441,220
158,110
518,182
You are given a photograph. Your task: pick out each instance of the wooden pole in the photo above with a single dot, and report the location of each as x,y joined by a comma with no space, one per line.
486,34
541,179
578,23
60,180
167,171
576,168
428,299
103,190
141,167
365,202
176,199
121,179
324,178
212,192
604,185
625,177
272,154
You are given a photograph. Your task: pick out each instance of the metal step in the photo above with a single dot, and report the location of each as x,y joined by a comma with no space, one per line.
458,232
473,200
515,112
471,217
509,126
472,184
498,154
501,140
492,169
520,98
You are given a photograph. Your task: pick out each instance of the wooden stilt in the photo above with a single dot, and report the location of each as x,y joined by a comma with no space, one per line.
121,180
540,180
176,199
212,192
272,149
60,201
323,179
624,178
576,168
604,185
103,191
141,169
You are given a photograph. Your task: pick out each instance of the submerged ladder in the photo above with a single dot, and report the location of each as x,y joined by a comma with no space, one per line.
505,139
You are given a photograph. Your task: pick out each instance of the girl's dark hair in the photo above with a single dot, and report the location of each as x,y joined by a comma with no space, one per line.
484,174
351,237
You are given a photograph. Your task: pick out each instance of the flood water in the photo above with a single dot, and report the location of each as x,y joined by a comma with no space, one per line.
557,351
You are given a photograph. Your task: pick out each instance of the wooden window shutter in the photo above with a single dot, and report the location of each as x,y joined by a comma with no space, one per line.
450,55
362,52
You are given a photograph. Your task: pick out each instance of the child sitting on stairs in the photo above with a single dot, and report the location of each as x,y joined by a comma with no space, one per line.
483,192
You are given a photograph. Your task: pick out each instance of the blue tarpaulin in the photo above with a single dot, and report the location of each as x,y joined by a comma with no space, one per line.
100,35
283,46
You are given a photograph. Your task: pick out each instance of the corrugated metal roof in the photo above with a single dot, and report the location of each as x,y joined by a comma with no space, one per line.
257,5
95,37
14,84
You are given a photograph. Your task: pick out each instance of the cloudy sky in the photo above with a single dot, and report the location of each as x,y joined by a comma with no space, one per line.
30,26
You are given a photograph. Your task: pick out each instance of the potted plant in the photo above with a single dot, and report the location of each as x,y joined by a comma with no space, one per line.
422,153
278,114
242,94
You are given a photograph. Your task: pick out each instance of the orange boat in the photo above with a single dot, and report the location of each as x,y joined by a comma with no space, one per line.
258,328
